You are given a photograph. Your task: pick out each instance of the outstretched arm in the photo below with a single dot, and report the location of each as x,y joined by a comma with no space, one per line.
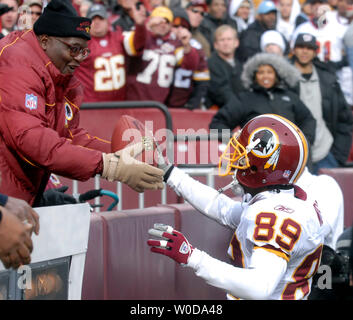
205,199
258,281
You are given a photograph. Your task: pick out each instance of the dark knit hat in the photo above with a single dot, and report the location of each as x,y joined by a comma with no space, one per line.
181,18
60,19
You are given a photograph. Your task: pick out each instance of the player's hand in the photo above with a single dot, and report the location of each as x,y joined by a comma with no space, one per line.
122,166
23,211
172,244
15,240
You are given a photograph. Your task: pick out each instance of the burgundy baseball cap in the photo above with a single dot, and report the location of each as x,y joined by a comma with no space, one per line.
197,3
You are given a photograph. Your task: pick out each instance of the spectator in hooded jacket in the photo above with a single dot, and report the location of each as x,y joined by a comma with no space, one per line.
266,78
288,10
250,38
320,91
272,42
242,12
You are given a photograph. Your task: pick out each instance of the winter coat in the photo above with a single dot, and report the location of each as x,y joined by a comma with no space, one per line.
241,24
225,80
250,39
39,121
336,112
256,100
209,24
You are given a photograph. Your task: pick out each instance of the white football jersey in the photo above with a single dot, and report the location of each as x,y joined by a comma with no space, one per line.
329,196
287,226
329,39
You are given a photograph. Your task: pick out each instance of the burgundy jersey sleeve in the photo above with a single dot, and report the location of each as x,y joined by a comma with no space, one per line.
151,75
185,78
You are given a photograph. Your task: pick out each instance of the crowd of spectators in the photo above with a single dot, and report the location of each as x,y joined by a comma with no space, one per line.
191,54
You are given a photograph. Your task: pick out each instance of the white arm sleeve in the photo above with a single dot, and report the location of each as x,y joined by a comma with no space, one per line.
220,207
256,282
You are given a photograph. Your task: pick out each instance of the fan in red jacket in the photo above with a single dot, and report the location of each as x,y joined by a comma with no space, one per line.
39,112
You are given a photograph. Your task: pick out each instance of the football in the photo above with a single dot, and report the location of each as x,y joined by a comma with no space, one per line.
128,131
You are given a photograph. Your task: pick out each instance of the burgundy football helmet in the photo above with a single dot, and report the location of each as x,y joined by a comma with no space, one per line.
269,150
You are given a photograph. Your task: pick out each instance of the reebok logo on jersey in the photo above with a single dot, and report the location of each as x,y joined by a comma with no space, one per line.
31,101
184,248
284,209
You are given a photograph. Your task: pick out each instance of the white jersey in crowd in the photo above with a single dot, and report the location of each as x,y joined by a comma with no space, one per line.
276,246
331,46
287,27
329,196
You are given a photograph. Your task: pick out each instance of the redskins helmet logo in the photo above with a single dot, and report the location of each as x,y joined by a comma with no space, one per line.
267,145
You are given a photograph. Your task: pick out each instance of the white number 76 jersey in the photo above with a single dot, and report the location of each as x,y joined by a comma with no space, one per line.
288,227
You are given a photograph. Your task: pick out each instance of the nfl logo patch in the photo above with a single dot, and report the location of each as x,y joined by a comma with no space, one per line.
286,174
31,101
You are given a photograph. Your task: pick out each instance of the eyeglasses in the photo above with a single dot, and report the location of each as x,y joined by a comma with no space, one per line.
198,11
75,51
37,13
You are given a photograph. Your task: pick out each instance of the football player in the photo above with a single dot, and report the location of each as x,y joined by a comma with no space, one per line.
151,75
103,72
279,230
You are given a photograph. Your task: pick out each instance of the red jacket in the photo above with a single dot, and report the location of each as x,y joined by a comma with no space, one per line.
39,121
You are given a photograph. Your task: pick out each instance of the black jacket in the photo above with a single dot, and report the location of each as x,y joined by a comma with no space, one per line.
257,101
249,41
336,112
124,21
225,80
209,24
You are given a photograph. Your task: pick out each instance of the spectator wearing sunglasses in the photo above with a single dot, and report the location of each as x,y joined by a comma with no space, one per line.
196,10
190,83
39,112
